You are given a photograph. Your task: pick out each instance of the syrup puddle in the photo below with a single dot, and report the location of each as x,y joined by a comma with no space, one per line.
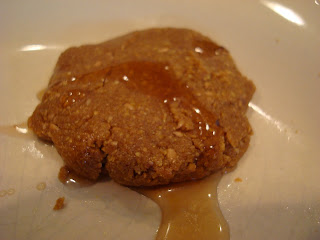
70,179
41,93
18,131
189,210
21,130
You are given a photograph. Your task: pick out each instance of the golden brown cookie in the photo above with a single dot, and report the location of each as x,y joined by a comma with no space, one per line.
151,107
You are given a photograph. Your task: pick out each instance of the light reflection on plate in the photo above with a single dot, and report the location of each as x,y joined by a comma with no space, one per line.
284,12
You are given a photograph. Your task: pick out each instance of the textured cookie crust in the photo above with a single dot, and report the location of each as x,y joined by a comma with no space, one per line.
148,108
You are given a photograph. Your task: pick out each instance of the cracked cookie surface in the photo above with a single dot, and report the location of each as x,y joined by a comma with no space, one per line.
148,108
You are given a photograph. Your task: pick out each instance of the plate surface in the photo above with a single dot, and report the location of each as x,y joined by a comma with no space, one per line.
274,43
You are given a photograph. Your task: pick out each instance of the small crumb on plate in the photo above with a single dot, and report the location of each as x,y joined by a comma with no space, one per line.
59,204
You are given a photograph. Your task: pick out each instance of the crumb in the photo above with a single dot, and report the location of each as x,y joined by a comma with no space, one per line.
238,179
59,204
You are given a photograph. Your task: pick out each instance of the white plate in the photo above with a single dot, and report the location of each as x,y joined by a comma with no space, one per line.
275,43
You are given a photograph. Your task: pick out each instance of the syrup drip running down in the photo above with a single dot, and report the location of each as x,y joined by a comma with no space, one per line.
190,211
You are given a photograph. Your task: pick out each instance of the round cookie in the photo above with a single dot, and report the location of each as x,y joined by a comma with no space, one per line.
148,108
